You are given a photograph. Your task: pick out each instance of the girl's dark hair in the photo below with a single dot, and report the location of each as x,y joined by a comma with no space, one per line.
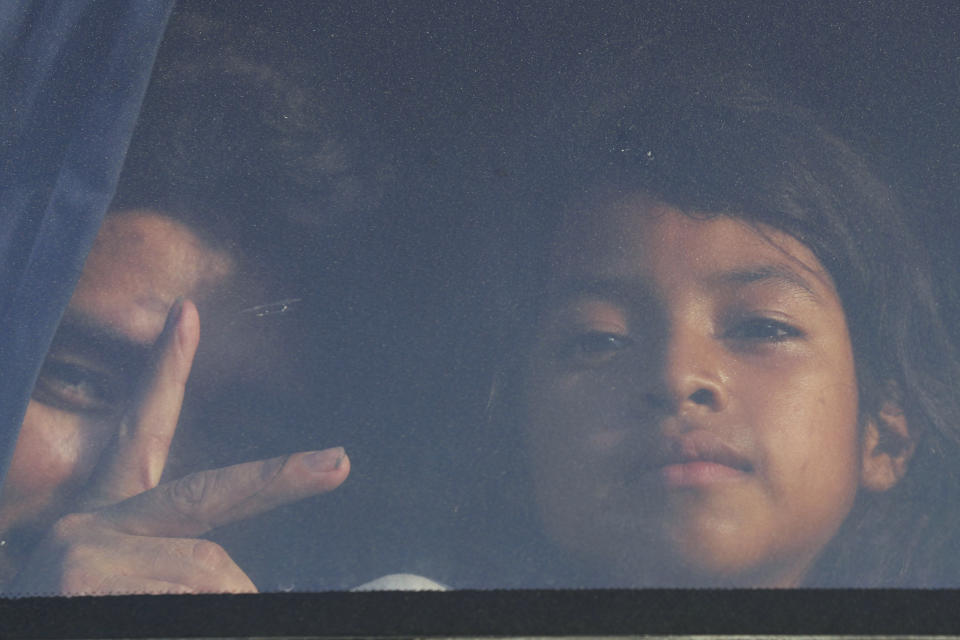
722,144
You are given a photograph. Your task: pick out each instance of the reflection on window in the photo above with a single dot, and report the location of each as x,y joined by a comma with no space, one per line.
464,299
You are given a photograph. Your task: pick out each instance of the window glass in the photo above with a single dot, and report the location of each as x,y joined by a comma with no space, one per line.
438,296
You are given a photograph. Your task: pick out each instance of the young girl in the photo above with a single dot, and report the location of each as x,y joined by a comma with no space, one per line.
734,371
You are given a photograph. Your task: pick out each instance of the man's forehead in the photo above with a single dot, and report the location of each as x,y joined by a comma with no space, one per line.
141,262
150,240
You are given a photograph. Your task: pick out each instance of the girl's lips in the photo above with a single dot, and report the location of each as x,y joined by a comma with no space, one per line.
697,473
699,458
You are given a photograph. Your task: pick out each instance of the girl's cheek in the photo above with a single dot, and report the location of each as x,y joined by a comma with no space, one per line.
806,426
574,421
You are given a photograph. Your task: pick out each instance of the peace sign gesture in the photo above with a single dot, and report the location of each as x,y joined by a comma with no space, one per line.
135,535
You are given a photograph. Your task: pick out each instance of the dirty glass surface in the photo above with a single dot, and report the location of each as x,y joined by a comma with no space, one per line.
558,296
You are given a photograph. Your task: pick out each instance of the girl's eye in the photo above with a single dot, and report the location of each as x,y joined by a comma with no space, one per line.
764,330
594,347
77,388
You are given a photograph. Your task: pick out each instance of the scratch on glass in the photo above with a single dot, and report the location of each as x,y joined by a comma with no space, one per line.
271,308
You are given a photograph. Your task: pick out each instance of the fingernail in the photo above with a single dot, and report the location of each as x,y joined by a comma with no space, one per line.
326,460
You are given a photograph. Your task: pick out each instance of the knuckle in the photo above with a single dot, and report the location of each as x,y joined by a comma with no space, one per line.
191,490
209,556
71,526
192,499
270,469
189,497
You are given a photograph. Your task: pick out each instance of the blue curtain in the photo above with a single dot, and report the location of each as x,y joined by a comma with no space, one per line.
72,78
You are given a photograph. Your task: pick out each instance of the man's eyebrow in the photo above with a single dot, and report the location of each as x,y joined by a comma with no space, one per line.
77,330
778,274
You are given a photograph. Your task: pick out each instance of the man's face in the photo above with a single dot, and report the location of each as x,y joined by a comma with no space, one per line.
692,400
140,264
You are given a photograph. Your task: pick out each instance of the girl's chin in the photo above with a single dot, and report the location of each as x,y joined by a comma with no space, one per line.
665,566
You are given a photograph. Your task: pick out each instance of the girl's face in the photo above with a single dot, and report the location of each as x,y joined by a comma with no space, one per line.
692,400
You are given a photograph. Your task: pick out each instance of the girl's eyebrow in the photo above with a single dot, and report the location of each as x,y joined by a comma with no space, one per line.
625,290
777,274
618,289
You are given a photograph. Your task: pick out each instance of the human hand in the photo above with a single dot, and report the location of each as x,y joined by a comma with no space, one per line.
133,535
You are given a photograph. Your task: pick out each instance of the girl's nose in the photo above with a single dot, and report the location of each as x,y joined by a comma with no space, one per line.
693,375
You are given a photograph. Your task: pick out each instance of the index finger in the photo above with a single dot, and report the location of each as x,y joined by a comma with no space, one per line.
136,459
202,501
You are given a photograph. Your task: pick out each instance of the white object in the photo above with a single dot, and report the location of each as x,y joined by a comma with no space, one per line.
401,582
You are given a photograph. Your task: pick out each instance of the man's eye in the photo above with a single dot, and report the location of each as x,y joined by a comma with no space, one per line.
594,347
763,329
75,387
